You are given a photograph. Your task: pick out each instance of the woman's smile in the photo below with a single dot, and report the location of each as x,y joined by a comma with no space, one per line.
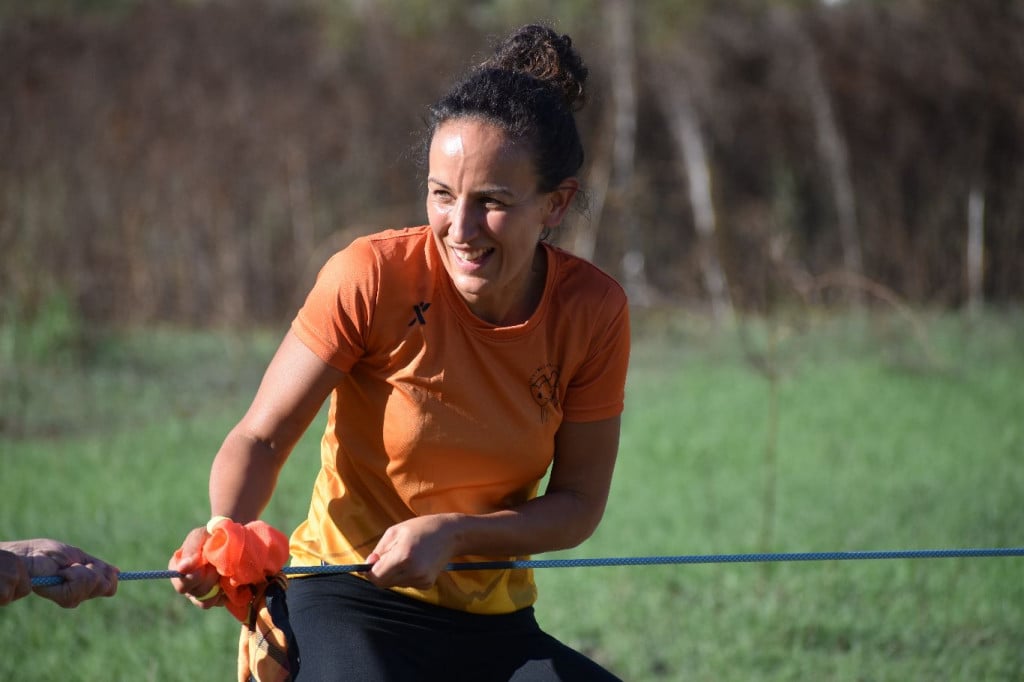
472,259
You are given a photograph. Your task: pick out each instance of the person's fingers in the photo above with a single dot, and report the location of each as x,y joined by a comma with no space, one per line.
197,580
112,575
80,583
397,568
385,568
106,579
188,561
15,582
209,599
191,552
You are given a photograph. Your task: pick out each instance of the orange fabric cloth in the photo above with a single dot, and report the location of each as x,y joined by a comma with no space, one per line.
263,643
245,556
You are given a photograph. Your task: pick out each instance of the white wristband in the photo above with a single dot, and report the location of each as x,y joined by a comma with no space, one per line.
214,522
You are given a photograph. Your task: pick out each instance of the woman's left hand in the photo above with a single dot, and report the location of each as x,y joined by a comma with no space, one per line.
414,552
199,580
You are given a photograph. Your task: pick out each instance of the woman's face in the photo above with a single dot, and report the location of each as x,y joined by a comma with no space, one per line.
487,218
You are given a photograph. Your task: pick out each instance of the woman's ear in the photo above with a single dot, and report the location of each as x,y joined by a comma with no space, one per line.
559,201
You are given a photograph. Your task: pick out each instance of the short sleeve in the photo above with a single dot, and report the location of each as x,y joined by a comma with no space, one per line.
335,319
597,388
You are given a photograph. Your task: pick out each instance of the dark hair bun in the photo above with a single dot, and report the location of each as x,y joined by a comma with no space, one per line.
546,55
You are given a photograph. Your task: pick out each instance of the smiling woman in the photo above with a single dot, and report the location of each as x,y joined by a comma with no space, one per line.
464,359
487,217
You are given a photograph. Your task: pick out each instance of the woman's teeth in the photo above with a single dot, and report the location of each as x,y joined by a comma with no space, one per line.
473,255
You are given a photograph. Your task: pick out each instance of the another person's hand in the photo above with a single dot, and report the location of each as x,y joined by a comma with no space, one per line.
412,553
85,576
15,581
199,581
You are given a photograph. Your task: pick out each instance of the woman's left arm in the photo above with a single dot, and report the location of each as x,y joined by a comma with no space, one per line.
581,477
414,552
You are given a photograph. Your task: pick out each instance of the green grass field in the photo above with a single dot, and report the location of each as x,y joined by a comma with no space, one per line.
804,434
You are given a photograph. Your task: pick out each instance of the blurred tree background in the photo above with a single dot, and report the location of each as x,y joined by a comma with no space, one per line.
194,162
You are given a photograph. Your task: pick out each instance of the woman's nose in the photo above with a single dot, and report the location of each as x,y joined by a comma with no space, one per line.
464,226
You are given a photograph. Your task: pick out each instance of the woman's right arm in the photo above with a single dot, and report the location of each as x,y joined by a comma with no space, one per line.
291,394
245,470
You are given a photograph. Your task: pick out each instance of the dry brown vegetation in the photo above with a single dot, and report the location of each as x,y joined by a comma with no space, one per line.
196,162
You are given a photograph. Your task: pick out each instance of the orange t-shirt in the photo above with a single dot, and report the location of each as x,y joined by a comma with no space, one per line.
440,411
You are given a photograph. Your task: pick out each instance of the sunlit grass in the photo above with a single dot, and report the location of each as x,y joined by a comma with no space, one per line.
883,441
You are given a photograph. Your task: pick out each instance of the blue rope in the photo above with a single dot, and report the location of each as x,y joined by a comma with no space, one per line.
42,581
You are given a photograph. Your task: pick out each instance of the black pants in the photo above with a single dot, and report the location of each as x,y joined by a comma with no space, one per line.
347,629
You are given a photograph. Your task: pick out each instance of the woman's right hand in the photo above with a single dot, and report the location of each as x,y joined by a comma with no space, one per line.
199,581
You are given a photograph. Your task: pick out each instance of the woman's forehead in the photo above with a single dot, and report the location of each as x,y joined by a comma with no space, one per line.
472,146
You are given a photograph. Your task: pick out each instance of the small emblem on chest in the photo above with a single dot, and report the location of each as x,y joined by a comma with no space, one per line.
544,389
419,309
